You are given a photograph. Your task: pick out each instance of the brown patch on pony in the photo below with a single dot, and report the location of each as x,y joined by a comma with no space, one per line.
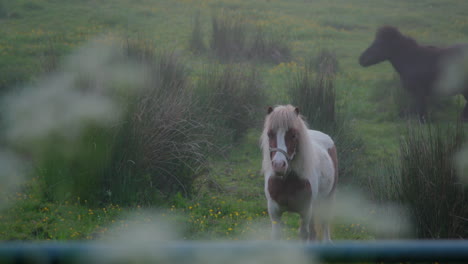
291,139
272,142
419,66
334,158
290,192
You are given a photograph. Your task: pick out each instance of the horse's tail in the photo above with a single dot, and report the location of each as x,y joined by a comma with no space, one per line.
334,158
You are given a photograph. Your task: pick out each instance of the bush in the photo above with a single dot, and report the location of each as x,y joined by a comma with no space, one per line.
234,39
231,98
122,127
74,169
50,57
314,93
3,10
197,44
161,146
423,180
228,40
268,47
429,185
325,63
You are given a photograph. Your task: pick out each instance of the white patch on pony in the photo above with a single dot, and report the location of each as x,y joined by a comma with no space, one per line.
279,159
323,139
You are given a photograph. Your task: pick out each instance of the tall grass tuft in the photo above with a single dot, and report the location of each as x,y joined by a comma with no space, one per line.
233,39
117,125
268,47
197,44
50,58
231,99
3,10
229,34
325,62
429,185
161,146
313,91
423,180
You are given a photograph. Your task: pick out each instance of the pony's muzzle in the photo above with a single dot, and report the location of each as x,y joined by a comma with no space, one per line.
279,166
363,60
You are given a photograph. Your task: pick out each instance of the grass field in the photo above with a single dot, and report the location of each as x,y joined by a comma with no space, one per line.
37,35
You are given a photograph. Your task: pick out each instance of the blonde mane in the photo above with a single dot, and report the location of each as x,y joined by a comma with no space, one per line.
283,116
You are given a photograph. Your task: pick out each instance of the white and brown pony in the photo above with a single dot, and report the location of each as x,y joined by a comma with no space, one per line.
300,168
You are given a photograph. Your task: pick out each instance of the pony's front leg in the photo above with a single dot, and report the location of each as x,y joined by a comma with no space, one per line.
306,230
325,218
326,232
275,216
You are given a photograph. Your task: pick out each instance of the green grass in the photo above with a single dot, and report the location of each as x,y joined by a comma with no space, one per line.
50,29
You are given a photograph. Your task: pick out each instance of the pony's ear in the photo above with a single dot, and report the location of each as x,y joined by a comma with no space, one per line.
296,110
269,110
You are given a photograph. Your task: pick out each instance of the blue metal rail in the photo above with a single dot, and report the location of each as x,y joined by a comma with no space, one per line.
219,252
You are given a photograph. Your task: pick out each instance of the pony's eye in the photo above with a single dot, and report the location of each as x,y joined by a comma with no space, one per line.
271,134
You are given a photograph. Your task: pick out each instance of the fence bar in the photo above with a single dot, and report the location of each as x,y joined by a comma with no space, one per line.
217,252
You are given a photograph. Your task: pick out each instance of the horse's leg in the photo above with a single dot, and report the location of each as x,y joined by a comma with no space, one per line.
418,102
275,216
325,216
464,116
312,232
420,106
325,232
305,229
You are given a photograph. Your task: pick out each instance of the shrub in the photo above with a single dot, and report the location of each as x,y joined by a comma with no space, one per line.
160,148
50,57
231,99
429,185
325,63
423,180
314,94
197,44
74,169
3,10
228,40
268,47
234,39
117,125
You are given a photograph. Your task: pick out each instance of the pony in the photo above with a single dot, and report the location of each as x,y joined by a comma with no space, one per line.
301,171
421,68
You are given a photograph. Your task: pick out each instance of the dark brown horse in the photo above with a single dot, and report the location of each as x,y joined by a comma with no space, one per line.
420,67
